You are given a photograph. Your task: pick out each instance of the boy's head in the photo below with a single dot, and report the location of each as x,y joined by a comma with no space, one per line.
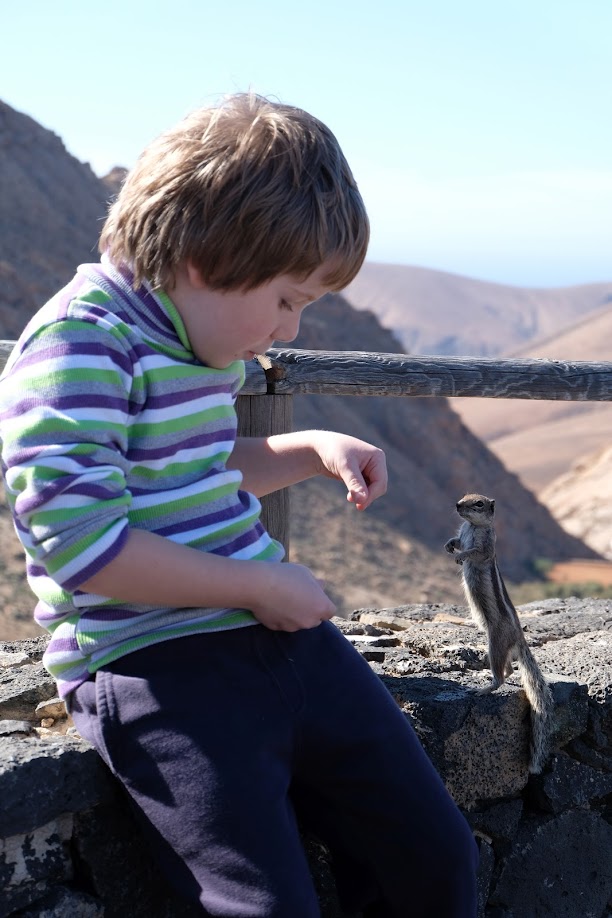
245,191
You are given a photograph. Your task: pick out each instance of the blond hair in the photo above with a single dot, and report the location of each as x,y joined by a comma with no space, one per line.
246,190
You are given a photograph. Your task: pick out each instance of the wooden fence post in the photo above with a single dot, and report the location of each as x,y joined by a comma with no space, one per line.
262,416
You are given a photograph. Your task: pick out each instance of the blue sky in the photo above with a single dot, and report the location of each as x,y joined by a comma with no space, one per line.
479,132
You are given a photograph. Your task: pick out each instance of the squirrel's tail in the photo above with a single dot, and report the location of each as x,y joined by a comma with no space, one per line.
542,704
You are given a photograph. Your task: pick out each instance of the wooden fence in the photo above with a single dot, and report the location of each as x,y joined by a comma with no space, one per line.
284,372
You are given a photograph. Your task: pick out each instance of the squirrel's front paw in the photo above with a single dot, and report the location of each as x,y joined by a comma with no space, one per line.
458,560
450,546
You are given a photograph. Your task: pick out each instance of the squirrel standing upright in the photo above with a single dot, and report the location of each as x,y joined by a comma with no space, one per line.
494,612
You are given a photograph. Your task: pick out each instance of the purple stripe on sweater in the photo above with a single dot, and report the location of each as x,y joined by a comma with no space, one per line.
226,515
62,644
29,504
184,396
113,284
157,321
247,538
36,570
29,454
196,442
102,311
73,583
67,402
67,347
144,294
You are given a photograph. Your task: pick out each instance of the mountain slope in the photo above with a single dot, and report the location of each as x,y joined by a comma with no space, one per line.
51,213
581,500
433,458
433,312
540,440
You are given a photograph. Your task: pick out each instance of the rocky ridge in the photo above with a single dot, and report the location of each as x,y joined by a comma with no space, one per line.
436,312
52,206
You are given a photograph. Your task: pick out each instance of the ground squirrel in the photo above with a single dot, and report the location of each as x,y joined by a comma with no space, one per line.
493,611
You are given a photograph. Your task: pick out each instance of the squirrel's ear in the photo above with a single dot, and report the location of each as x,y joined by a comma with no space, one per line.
492,506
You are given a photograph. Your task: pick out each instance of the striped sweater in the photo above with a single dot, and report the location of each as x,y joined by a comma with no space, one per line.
109,421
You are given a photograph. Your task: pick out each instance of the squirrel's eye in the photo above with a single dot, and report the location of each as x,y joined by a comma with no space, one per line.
479,504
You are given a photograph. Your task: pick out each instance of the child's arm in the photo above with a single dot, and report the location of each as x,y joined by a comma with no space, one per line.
151,569
65,455
270,463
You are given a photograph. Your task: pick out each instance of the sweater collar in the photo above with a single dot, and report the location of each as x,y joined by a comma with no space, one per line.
151,309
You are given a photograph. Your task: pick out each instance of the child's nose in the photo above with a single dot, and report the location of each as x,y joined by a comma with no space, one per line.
289,327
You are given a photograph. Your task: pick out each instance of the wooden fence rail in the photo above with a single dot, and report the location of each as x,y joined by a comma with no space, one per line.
289,371
284,372
299,372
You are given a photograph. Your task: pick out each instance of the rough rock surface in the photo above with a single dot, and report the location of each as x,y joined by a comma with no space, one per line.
69,846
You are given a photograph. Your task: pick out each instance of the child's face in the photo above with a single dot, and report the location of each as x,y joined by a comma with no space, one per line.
224,326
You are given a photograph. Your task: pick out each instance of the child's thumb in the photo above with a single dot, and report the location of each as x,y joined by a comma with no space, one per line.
356,488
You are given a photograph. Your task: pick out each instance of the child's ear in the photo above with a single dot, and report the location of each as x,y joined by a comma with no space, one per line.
194,276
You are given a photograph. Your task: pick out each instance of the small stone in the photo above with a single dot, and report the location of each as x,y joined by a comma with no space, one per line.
8,727
47,722
17,658
373,656
54,707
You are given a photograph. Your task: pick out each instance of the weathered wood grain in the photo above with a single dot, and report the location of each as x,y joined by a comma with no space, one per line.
301,372
363,373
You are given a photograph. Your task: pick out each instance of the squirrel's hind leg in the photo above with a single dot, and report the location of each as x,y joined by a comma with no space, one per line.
501,666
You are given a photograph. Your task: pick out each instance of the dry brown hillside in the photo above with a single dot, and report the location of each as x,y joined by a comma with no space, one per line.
540,440
581,500
50,215
433,459
433,312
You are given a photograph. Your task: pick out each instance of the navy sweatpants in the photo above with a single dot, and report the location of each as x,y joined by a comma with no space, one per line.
220,739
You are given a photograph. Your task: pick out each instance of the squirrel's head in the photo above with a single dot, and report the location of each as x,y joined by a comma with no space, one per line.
476,509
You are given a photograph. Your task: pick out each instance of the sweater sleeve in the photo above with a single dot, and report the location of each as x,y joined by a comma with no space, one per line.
64,418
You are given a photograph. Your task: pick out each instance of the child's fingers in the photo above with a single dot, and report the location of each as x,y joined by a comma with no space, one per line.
357,490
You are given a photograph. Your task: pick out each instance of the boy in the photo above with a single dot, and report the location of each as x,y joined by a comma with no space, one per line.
214,685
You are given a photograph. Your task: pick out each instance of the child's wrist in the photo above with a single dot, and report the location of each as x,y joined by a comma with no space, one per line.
254,581
317,439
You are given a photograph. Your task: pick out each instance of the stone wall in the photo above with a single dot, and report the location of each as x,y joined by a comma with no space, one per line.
69,846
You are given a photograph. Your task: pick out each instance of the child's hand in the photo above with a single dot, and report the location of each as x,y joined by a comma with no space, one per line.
361,466
290,598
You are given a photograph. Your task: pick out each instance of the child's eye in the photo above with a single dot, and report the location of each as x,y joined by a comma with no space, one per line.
286,305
